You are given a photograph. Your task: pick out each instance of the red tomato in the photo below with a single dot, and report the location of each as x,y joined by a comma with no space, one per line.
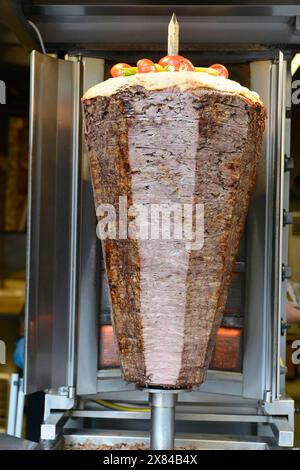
171,60
223,72
178,61
145,68
187,65
117,70
144,62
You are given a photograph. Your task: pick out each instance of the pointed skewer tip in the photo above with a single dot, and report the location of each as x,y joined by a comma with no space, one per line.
174,18
173,36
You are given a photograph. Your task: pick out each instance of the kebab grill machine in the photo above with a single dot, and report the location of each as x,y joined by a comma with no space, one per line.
71,349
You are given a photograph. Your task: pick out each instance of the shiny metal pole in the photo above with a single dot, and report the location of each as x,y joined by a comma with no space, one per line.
163,404
13,401
20,409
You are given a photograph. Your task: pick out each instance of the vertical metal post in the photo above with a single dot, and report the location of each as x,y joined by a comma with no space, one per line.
20,410
163,404
278,224
13,399
89,259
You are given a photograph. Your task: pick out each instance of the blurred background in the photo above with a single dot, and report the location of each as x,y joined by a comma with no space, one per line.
14,72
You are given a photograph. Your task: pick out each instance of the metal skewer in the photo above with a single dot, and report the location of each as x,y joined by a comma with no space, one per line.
163,406
163,402
173,36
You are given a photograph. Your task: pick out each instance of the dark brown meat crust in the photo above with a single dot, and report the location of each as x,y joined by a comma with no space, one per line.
142,144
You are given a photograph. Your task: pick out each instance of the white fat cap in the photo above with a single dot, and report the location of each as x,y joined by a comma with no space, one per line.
160,80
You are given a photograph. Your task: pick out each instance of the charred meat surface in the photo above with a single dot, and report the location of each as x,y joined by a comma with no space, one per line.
197,147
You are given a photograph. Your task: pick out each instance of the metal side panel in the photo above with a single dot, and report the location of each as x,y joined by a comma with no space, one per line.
90,251
286,198
259,246
279,286
265,243
52,224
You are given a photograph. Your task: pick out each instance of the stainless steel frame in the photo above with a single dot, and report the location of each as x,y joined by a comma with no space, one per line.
103,24
63,277
52,224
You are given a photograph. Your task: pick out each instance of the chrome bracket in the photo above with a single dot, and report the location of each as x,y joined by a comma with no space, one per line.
282,412
54,420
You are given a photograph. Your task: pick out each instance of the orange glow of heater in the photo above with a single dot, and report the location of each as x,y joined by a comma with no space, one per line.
108,353
227,352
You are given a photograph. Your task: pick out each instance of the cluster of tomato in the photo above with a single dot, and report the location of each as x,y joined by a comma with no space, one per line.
169,63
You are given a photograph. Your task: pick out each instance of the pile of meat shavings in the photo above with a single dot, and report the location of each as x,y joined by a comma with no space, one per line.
88,445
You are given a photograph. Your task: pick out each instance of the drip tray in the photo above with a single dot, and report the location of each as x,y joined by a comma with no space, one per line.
98,440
